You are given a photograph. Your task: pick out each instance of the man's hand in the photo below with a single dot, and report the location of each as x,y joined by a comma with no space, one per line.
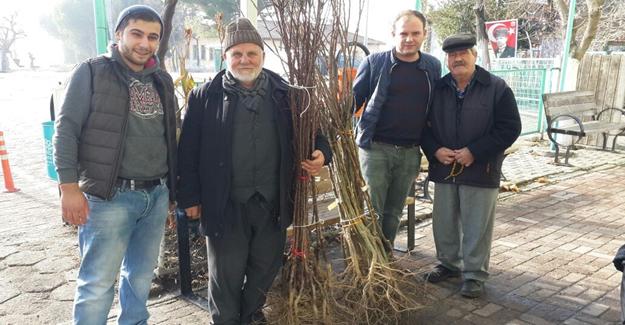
194,212
74,205
171,216
313,166
445,155
464,157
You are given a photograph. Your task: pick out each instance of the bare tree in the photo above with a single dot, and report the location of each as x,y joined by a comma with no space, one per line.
541,23
9,33
611,26
168,15
589,23
482,37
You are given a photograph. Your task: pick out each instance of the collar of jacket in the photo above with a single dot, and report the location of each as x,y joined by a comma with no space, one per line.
482,76
277,83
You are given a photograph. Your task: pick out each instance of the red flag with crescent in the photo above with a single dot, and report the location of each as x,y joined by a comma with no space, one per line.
502,35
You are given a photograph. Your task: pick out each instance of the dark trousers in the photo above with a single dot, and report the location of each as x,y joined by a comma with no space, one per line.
244,262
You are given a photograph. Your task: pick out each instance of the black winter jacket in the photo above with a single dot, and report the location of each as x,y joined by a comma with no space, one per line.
487,122
205,153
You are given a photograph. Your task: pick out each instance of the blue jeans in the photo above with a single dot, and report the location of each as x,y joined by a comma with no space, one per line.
389,171
124,232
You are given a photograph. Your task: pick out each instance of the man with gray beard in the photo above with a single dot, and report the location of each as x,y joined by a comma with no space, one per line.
237,175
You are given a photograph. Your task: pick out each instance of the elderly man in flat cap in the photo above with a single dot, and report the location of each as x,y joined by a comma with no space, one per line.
237,174
473,119
115,153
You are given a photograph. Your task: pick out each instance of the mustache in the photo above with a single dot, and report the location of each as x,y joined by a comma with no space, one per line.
459,64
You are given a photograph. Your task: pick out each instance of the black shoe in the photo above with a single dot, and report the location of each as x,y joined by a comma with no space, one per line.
440,273
472,288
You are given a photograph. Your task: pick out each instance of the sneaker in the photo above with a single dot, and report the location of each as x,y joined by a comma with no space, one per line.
440,273
472,288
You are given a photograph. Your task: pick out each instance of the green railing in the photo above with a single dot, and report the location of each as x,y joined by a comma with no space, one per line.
528,86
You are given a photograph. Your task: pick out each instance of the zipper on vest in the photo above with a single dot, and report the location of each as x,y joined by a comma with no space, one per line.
119,154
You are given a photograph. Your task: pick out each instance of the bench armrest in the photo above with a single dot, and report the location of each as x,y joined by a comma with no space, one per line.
550,128
609,109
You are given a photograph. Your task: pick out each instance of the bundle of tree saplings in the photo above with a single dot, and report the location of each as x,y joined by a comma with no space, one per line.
373,290
305,296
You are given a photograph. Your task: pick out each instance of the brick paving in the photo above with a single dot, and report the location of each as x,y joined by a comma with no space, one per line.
551,261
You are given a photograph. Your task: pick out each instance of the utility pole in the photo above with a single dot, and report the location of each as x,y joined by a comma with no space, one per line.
249,8
101,26
567,43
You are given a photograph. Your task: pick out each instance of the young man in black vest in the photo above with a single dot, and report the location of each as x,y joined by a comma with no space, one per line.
115,153
237,174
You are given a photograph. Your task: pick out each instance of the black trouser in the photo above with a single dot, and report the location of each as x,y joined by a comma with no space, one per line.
244,262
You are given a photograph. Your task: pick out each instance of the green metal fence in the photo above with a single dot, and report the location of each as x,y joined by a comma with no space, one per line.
528,86
549,64
522,63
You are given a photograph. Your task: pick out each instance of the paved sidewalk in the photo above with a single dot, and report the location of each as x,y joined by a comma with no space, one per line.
551,258
551,261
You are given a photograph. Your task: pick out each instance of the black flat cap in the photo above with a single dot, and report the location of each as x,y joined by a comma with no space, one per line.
458,42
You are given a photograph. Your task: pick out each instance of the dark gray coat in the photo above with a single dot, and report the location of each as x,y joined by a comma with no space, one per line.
205,153
487,122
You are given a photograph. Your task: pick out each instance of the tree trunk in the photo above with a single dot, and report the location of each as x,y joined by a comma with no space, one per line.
4,61
427,45
594,15
482,37
563,9
168,15
590,32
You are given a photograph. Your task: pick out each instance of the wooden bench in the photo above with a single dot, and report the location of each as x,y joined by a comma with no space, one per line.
588,118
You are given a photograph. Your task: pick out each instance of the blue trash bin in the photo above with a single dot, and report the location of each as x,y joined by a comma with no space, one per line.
48,132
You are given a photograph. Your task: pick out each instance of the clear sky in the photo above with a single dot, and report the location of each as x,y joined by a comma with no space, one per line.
381,15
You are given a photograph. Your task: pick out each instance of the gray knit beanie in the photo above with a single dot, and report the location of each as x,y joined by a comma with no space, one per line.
240,31
139,12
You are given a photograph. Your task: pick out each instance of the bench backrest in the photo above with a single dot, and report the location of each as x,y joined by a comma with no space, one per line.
569,102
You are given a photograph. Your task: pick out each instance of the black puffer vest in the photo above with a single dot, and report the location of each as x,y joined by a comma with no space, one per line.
102,138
